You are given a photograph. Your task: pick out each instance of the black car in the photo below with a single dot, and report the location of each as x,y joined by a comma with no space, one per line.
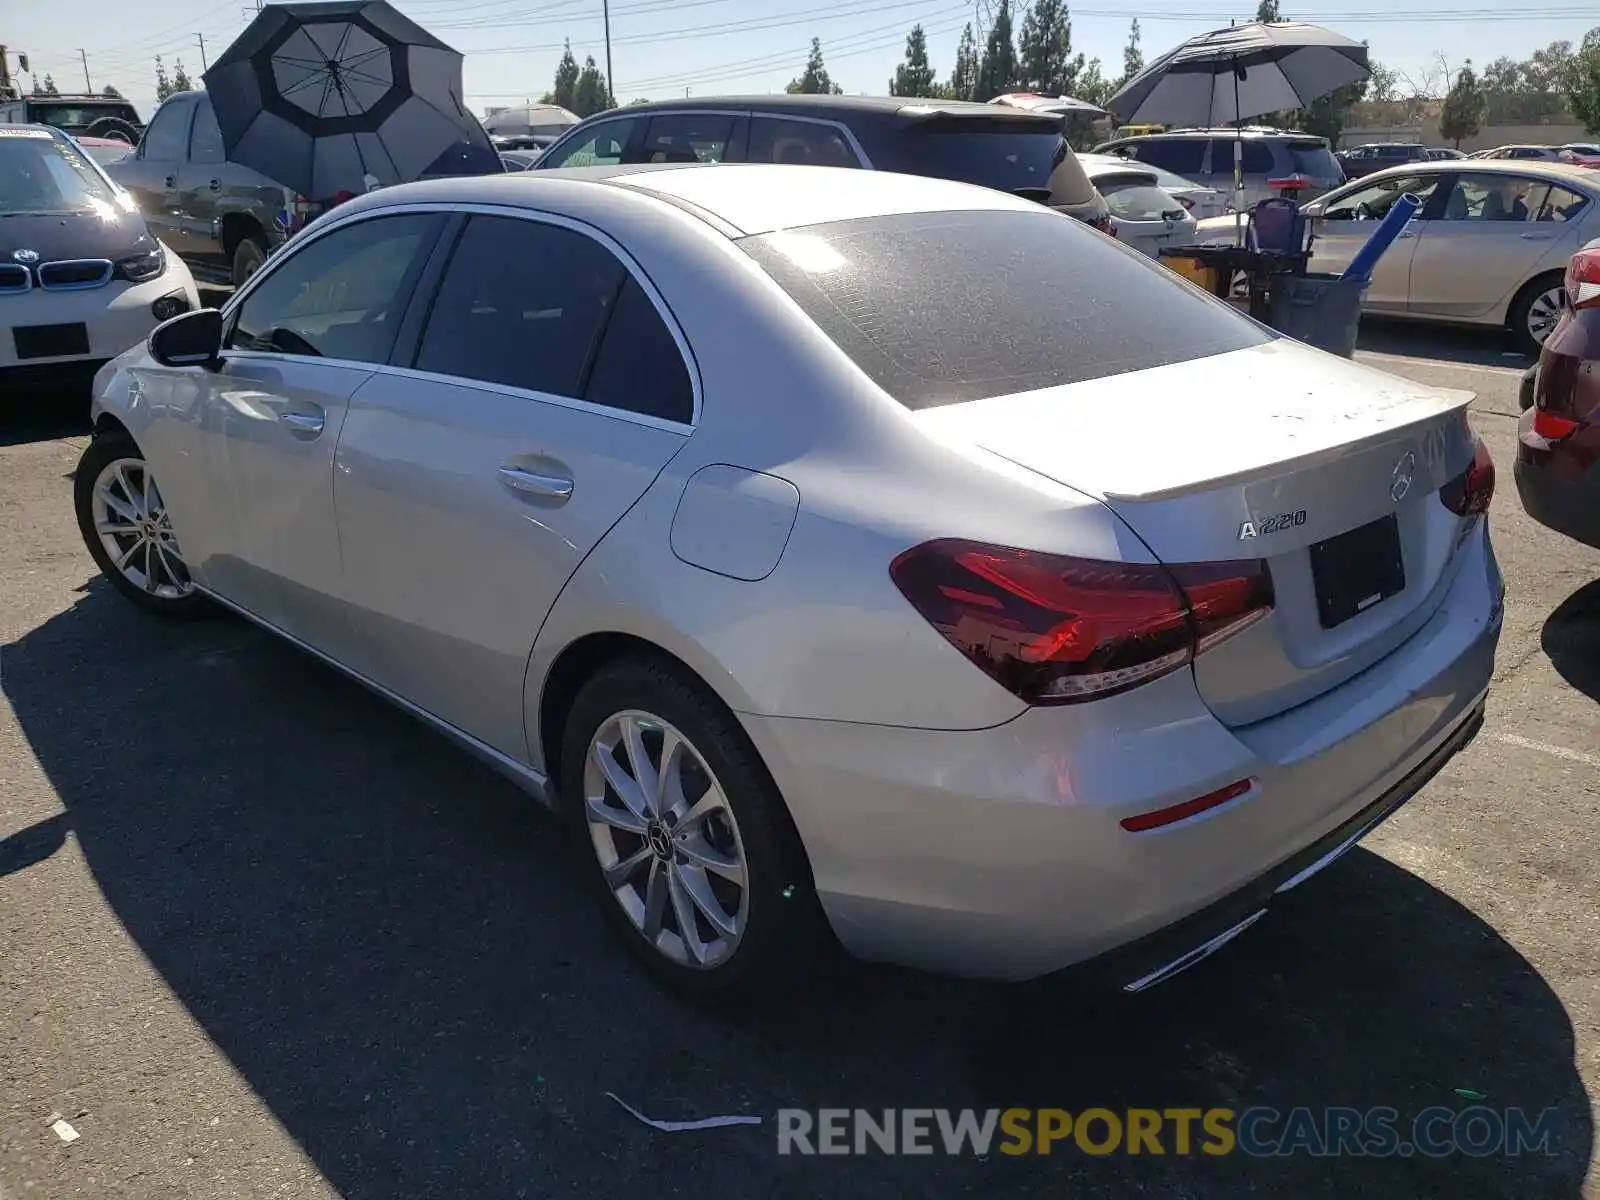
87,114
1011,149
1364,160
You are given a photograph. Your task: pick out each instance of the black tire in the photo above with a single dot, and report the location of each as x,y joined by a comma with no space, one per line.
1517,317
102,452
1528,388
114,129
248,256
785,934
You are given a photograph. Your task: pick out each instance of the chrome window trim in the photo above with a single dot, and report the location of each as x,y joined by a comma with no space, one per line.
106,268
539,216
863,161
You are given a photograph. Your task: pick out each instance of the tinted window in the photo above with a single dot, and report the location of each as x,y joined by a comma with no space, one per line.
805,142
686,138
522,304
940,308
1316,160
1257,157
601,145
205,139
973,152
1182,155
343,295
167,137
639,367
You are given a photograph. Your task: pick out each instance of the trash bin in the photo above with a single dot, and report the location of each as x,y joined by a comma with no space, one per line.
1321,310
1193,268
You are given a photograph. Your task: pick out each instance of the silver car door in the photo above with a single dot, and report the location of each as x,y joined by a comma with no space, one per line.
303,337
547,393
1485,244
1347,218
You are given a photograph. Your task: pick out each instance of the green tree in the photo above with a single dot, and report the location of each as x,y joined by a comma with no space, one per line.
1267,10
1044,50
814,80
1132,56
914,76
640,100
1581,84
591,95
1463,107
964,75
565,93
1383,84
49,88
180,78
997,71
163,84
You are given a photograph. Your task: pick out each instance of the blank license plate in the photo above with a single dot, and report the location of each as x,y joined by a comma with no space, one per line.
1356,570
51,341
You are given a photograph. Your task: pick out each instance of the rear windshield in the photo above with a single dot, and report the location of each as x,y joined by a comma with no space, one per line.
41,174
942,308
1132,199
1315,159
986,153
77,114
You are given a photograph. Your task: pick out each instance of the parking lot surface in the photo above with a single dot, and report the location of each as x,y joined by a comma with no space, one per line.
262,935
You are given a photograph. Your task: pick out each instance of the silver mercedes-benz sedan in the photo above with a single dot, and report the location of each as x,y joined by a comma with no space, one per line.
842,554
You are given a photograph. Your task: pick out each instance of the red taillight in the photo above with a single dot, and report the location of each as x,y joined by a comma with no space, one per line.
1185,201
1058,630
1471,491
1551,427
1583,279
1104,225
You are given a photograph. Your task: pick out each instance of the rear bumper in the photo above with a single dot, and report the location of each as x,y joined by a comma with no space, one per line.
1558,491
999,853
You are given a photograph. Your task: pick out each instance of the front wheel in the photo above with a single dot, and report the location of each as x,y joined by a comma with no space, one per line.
1534,312
687,842
125,524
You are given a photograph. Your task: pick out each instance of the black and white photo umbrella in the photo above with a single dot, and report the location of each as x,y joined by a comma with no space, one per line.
342,96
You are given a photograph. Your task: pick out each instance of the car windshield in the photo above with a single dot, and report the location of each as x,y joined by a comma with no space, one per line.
942,308
1313,158
40,173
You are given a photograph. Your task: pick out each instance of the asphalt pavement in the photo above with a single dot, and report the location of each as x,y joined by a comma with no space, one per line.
261,935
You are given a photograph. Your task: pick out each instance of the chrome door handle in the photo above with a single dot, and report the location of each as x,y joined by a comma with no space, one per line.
1407,233
1536,237
302,422
552,487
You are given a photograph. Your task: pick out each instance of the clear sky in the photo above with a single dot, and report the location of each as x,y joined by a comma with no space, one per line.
662,47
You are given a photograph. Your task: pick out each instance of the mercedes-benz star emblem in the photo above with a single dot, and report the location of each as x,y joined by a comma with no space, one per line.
1400,481
25,256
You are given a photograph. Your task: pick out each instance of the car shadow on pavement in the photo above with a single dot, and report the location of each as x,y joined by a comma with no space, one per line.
40,416
390,945
1467,346
1571,639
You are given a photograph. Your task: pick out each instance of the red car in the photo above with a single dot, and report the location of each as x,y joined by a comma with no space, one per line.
1558,455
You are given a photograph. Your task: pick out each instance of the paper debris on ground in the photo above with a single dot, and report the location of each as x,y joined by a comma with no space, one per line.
684,1126
64,1131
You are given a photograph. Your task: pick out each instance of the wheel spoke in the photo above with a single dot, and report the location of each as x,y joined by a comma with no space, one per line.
116,528
167,567
149,568
655,899
131,493
624,785
683,908
617,817
644,774
124,508
624,869
704,855
691,817
169,548
693,883
126,560
669,779
156,505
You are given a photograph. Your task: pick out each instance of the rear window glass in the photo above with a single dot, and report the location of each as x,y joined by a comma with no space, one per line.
942,308
1316,160
1135,200
975,154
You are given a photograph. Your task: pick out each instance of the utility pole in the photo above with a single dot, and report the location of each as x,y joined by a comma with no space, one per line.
87,86
204,66
605,9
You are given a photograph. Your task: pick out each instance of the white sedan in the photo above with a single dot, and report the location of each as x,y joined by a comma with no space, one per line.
1200,201
1145,215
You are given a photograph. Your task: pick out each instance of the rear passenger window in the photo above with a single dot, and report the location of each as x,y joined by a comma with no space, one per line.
639,367
687,138
805,142
1257,158
522,303
1181,156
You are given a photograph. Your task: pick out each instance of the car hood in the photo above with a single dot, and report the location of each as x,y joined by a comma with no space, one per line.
110,233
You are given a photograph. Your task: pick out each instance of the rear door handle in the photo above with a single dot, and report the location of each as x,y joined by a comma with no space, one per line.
301,422
1536,237
216,185
172,183
551,487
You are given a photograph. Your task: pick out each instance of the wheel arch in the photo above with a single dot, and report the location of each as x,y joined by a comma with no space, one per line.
236,226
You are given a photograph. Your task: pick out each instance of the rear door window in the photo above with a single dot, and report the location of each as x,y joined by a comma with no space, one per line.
687,138
205,139
1184,156
167,137
638,367
603,144
942,308
775,140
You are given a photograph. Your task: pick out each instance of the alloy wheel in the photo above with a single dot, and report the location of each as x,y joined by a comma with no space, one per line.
135,529
667,841
1543,314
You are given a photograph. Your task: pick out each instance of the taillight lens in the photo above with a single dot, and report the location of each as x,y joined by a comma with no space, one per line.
1104,225
1185,201
1058,630
1583,279
1551,427
1471,491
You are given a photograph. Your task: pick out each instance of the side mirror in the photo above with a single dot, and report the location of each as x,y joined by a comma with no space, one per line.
191,339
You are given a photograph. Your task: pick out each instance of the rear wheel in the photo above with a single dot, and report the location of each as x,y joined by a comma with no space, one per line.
1535,311
248,256
124,521
688,844
114,129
